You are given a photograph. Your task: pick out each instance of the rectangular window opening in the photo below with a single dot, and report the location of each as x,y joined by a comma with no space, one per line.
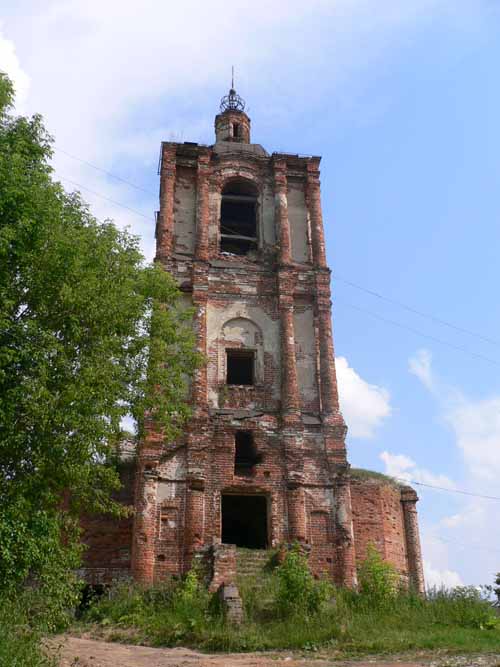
240,367
238,224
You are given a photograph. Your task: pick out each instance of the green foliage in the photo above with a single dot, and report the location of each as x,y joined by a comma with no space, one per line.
463,606
378,580
281,612
167,613
20,639
298,591
88,334
183,613
496,588
363,473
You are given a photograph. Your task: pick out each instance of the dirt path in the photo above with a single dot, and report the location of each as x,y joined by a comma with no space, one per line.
82,652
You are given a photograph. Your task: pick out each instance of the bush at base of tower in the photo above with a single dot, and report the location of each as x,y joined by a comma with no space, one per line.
347,624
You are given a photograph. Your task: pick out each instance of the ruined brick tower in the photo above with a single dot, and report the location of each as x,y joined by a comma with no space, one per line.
263,461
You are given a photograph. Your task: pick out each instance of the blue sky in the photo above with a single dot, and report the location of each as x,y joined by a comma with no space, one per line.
401,99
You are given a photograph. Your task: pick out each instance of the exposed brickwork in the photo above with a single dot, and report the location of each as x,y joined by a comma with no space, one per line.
384,515
275,302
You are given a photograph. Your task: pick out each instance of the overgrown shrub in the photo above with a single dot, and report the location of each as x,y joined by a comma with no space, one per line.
281,611
378,580
20,638
298,592
463,606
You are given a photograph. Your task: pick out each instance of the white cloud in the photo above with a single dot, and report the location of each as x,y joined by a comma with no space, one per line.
112,79
435,578
464,536
476,425
404,468
420,366
9,64
364,405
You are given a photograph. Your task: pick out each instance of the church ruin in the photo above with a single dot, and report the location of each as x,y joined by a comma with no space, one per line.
263,460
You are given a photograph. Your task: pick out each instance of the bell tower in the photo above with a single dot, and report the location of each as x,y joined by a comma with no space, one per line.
232,123
262,461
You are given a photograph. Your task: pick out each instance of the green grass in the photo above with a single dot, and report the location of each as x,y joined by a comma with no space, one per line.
349,624
362,473
20,643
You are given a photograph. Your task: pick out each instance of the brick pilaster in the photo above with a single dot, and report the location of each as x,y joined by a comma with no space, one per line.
202,206
346,555
328,378
145,524
199,387
167,193
409,501
281,212
194,519
290,399
313,199
297,529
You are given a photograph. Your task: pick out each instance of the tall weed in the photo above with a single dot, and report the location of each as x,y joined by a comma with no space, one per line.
298,592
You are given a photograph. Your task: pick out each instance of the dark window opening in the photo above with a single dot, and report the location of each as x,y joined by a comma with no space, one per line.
240,367
245,453
238,219
244,521
236,130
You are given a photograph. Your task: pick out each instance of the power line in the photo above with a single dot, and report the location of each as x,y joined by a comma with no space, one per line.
417,312
419,333
347,282
374,293
105,171
113,201
444,488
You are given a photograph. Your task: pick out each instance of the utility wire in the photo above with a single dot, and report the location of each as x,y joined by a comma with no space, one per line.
444,488
416,312
98,194
105,171
377,295
337,277
419,333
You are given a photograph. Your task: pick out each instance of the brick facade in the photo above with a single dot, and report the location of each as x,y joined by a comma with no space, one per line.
268,297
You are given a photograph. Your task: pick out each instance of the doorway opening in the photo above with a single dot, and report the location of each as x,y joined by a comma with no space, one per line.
244,521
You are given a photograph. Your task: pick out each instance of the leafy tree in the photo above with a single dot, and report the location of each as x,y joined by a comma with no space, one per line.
88,334
496,588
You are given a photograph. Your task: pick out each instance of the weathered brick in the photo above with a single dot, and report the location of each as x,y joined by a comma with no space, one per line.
274,301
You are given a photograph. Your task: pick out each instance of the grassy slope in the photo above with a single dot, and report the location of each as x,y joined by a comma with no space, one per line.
349,625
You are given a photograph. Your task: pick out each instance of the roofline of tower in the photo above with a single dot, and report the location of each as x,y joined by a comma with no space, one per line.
193,148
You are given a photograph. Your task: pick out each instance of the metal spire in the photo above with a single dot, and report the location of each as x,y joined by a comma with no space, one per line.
232,102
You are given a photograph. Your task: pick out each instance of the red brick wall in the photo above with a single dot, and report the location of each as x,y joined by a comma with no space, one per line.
108,540
283,289
378,519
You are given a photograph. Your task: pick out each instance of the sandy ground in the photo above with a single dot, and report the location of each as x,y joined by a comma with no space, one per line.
83,652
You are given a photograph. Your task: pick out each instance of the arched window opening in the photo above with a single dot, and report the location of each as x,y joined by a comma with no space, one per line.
238,219
245,453
236,130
